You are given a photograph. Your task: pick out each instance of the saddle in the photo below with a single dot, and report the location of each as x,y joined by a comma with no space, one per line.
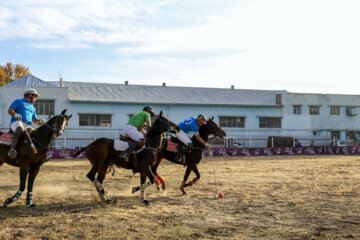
5,138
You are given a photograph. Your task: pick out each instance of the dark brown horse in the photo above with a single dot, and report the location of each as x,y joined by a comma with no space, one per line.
192,158
27,160
101,154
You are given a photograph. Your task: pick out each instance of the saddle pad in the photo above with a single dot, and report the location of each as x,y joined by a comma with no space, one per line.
5,138
171,146
120,145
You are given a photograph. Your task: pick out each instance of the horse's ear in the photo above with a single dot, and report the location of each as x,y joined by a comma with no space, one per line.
63,112
70,116
212,118
160,113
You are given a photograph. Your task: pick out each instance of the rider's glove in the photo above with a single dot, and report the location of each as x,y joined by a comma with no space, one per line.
18,116
41,121
207,146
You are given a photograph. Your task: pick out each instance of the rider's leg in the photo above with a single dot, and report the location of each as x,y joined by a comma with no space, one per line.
183,137
134,134
18,132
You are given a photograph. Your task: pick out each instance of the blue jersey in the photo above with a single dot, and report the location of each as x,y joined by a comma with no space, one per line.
189,124
25,109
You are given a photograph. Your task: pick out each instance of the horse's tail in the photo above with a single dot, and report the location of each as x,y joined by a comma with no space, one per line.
80,151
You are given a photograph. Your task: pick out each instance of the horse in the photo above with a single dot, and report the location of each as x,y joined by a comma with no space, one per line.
193,157
102,155
30,162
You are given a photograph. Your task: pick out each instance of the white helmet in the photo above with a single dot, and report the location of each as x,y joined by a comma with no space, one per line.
31,91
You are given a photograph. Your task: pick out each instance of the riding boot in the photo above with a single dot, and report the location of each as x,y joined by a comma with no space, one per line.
125,154
14,142
178,157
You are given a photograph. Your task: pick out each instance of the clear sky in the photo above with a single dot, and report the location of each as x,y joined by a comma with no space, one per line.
297,45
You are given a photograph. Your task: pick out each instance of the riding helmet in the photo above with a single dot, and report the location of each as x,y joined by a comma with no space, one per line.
31,91
201,117
150,110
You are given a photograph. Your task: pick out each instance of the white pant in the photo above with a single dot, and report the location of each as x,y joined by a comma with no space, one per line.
183,137
19,124
133,133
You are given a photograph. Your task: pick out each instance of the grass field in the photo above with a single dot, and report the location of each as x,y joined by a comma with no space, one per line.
289,197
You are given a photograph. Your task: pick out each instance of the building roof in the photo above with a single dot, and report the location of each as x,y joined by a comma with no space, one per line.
30,81
135,94
105,92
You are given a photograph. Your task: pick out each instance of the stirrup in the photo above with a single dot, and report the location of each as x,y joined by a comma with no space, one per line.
12,153
124,155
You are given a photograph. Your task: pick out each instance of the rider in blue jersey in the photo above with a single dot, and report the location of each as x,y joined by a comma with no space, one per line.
22,114
190,124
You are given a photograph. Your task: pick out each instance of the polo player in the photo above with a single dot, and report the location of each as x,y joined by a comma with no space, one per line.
23,113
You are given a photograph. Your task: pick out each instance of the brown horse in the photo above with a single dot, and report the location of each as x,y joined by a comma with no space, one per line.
192,158
30,162
101,154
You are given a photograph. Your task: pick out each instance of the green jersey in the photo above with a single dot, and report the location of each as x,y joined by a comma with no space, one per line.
139,119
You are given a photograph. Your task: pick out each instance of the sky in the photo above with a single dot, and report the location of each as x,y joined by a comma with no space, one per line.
310,46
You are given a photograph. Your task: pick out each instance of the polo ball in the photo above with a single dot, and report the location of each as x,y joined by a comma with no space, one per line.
220,195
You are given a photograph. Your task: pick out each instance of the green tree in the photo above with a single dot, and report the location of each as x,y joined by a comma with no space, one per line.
10,72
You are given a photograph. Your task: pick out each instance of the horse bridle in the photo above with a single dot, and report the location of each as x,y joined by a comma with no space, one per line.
216,131
58,129
169,128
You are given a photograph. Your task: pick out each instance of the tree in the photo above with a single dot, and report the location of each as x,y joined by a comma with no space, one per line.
10,72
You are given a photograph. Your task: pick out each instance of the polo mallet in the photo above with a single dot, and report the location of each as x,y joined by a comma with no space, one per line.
220,194
28,137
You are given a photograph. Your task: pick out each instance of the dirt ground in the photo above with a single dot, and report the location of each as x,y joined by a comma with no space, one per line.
289,197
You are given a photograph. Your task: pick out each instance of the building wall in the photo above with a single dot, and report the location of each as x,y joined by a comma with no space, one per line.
300,126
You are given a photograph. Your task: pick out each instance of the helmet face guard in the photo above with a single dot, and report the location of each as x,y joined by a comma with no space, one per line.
202,118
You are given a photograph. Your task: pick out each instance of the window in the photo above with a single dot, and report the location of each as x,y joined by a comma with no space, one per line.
335,134
297,109
232,122
269,122
350,111
314,110
95,120
334,110
45,107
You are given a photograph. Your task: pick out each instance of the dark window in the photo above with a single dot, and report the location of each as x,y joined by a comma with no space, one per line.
334,110
314,110
45,107
335,134
297,109
95,120
232,122
269,122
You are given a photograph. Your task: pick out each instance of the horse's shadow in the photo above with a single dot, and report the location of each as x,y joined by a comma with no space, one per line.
19,211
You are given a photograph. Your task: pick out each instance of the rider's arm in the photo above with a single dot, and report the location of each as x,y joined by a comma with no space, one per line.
11,111
36,121
197,136
148,125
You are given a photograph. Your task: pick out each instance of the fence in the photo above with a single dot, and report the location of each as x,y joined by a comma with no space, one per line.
229,142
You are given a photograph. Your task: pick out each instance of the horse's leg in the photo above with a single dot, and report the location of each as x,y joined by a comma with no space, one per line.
158,177
144,185
24,170
197,173
99,180
32,175
91,174
186,176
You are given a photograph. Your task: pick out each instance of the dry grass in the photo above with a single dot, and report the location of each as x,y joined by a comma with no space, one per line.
290,197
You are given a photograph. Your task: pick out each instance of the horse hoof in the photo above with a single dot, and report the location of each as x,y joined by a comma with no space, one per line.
147,202
33,206
158,188
184,193
7,202
133,190
163,187
108,201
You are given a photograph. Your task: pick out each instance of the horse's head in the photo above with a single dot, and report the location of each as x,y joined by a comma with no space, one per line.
162,124
214,129
58,123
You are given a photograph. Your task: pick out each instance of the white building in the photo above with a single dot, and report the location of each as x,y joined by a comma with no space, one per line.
248,116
